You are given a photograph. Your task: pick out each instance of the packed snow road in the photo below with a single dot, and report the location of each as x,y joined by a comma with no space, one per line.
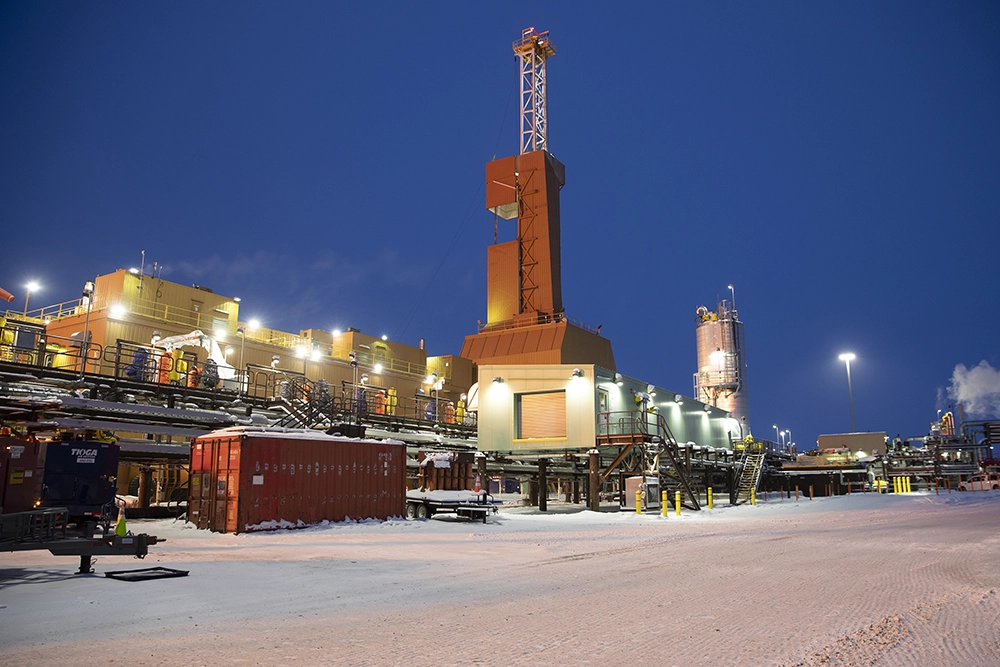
897,579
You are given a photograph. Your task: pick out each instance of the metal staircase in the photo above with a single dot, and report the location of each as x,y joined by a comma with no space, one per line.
753,466
656,445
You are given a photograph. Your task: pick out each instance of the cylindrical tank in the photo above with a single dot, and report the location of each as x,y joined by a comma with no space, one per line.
721,379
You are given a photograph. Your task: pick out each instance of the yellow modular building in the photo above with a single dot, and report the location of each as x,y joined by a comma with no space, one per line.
128,311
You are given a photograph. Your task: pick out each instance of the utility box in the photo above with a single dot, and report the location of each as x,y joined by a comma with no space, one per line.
247,478
651,488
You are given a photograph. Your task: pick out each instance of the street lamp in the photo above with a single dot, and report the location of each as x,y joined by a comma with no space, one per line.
355,406
733,291
847,358
242,331
88,294
31,287
776,436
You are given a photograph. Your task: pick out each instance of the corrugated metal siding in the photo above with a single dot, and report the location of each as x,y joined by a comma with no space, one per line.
503,287
259,479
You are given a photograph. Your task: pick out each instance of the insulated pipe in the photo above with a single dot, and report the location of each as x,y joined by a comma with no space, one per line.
5,295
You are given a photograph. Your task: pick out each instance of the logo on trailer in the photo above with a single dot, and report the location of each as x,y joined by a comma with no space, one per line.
84,455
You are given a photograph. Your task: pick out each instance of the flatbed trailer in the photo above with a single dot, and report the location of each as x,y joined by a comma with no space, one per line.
469,504
49,529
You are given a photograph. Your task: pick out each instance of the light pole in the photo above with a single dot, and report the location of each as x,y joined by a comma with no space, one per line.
88,294
847,358
242,331
733,291
788,442
354,388
776,436
30,287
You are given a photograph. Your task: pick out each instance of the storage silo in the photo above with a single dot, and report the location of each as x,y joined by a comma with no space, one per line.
721,379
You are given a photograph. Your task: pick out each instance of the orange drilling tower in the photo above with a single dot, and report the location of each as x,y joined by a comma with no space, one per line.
525,320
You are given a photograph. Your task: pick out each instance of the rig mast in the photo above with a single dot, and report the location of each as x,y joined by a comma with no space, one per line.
532,50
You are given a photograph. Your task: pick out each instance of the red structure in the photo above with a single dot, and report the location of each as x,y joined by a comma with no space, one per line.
241,479
525,321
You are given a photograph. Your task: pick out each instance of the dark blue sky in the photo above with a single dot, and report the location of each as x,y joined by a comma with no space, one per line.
838,162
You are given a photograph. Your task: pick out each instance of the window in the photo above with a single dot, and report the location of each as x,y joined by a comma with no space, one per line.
541,415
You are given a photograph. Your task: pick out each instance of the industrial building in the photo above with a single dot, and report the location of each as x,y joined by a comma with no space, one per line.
536,390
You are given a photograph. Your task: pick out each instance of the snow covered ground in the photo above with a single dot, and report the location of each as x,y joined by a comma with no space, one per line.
855,580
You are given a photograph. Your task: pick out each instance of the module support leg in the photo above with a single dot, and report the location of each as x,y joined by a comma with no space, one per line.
145,485
484,482
543,485
594,493
85,565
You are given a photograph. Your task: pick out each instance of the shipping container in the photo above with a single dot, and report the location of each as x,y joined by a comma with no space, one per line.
76,474
242,478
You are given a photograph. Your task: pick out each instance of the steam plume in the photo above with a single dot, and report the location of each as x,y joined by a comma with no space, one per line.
977,389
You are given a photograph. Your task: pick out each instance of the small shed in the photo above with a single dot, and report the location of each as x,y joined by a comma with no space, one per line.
256,478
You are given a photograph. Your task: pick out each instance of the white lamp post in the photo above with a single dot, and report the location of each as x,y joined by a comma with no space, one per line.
30,287
847,358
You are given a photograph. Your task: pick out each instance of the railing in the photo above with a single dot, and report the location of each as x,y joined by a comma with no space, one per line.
318,400
542,319
47,313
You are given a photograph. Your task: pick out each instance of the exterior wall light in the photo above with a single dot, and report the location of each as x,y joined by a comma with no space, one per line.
274,361
577,373
707,408
498,380
619,380
678,399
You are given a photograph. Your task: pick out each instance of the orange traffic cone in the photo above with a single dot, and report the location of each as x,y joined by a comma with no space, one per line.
120,526
478,485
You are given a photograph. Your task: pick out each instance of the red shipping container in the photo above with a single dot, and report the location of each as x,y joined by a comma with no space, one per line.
242,478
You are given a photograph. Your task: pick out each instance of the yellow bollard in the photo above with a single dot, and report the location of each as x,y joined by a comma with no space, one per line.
664,507
753,496
909,489
796,492
677,503
895,485
638,502
709,497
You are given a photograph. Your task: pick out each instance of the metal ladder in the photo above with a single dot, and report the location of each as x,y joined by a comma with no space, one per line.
753,465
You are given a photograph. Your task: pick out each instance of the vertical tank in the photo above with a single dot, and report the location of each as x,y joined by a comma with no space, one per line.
721,379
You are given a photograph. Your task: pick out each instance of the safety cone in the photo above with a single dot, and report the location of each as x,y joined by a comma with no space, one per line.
478,485
120,526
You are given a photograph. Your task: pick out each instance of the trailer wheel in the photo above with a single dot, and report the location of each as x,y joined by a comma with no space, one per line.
422,512
411,511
